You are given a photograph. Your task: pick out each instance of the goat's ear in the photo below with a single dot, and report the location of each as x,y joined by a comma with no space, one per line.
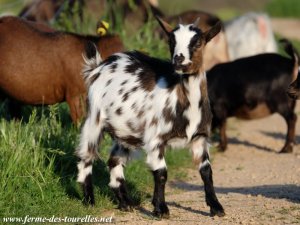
208,35
164,25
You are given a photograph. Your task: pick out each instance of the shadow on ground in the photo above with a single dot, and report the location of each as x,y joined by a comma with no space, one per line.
277,135
290,192
236,141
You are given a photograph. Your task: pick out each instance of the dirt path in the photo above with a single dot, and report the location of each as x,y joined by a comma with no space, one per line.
254,183
289,28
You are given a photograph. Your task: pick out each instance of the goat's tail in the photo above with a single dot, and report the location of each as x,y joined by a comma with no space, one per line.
92,60
291,51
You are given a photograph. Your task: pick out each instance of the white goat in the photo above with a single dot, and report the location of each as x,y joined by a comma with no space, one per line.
249,35
143,103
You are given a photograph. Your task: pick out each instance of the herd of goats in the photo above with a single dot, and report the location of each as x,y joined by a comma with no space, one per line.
216,70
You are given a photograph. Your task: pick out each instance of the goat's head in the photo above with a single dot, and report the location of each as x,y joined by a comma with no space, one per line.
186,45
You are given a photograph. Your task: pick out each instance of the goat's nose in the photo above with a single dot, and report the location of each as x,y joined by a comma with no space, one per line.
178,59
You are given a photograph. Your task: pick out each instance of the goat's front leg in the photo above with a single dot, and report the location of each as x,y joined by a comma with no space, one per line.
201,156
117,160
156,162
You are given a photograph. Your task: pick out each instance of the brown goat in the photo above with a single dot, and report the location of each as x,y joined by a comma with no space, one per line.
40,66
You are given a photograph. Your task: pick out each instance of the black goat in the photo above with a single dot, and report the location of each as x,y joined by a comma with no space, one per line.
254,87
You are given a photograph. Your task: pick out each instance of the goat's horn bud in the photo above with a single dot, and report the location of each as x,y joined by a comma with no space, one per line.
179,20
196,23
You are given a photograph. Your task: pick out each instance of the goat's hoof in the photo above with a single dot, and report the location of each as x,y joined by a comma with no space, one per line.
217,209
162,211
287,149
221,148
125,208
217,212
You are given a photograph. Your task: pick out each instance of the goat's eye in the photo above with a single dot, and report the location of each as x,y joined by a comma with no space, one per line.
195,42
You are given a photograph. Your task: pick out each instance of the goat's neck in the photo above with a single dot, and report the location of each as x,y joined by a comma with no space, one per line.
191,87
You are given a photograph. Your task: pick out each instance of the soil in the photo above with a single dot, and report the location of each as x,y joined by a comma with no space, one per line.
254,183
288,28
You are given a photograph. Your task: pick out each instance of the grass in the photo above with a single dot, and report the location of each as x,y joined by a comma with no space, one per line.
284,8
11,6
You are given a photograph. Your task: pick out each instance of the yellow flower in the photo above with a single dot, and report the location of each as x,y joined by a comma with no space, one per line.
102,28
101,31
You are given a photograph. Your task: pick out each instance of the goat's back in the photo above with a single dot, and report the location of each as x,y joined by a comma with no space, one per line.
250,81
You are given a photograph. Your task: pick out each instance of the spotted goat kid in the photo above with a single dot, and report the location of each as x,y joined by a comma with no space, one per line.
147,103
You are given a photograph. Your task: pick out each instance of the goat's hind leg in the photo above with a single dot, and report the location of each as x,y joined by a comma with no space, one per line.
117,160
87,152
287,111
201,155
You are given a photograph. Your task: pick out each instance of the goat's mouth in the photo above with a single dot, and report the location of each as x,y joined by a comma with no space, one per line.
182,69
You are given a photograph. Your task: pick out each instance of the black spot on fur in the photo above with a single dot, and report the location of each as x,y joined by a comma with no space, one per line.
119,111
120,91
140,114
130,126
133,67
88,107
108,82
103,95
167,104
111,59
133,106
132,140
87,164
125,96
113,67
154,121
93,78
124,82
113,162
92,148
98,117
200,103
167,114
134,89
161,152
